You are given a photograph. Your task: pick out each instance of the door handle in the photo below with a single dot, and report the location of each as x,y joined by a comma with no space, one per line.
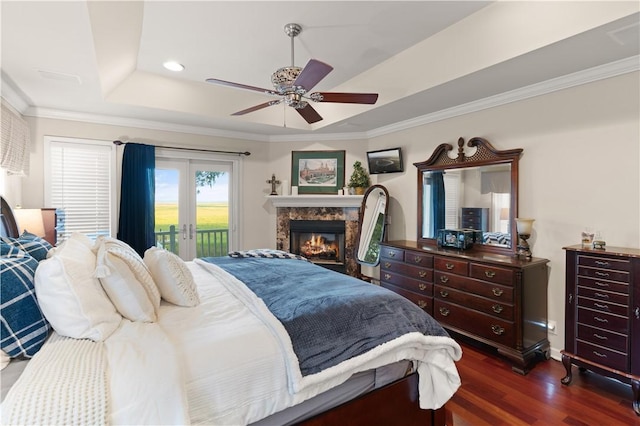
184,232
191,231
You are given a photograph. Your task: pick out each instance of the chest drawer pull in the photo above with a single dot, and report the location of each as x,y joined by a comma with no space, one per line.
444,293
444,279
392,253
422,304
497,292
422,274
604,320
444,311
602,263
449,266
497,308
600,306
599,284
597,336
637,312
417,259
387,276
602,274
598,354
602,295
490,274
387,265
422,286
497,330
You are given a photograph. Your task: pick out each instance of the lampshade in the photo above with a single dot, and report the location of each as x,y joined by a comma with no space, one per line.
30,220
524,226
504,213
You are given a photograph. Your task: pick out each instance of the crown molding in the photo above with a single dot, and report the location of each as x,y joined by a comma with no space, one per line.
613,69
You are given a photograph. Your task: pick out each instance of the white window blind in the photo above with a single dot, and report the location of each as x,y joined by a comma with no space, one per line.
452,199
80,182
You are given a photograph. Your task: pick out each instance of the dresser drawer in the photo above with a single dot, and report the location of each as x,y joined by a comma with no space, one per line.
492,274
418,258
407,270
603,295
453,266
486,326
407,283
603,274
603,320
392,253
599,284
599,305
615,341
426,303
491,307
495,292
604,263
600,355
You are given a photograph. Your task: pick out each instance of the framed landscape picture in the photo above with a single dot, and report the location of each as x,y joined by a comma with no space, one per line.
317,172
385,161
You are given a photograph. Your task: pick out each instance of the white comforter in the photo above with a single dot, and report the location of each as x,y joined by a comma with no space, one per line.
226,362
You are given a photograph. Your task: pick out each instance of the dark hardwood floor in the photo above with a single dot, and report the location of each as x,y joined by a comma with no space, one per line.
491,394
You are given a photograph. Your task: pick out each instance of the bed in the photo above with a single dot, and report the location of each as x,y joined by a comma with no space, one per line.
211,351
496,238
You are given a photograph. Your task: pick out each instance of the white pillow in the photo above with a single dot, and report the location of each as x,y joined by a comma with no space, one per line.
126,280
172,276
69,296
4,360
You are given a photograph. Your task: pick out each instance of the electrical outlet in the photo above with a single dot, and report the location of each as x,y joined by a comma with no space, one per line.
552,327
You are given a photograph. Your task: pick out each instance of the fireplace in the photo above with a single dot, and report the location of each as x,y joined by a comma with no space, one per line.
320,241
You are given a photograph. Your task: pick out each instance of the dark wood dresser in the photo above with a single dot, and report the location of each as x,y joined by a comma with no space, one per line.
475,218
602,314
498,300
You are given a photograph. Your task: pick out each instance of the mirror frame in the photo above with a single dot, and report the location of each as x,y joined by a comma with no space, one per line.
361,219
484,155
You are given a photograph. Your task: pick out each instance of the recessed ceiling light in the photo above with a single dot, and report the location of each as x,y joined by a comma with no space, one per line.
173,66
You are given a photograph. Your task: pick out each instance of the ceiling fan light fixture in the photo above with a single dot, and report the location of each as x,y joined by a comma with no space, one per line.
173,66
284,77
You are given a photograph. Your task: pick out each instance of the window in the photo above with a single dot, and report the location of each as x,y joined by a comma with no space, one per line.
80,181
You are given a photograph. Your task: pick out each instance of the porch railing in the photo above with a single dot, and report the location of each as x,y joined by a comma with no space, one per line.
209,242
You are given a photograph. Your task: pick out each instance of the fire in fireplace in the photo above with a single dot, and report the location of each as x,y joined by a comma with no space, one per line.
320,241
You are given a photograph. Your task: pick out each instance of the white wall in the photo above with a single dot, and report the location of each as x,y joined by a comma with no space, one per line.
580,168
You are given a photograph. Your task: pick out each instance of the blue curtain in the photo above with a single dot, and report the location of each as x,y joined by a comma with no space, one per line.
136,226
437,202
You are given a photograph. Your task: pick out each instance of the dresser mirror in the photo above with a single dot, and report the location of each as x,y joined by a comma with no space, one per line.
372,222
478,189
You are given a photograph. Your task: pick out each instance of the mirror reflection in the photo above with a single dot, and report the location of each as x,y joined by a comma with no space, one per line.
372,222
476,198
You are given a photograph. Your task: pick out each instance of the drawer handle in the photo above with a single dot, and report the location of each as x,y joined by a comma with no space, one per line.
422,286
599,284
596,353
392,253
597,336
449,266
497,292
602,295
602,274
444,312
387,276
490,274
497,330
601,319
599,306
602,263
387,265
444,279
417,259
636,311
422,274
497,308
422,304
444,293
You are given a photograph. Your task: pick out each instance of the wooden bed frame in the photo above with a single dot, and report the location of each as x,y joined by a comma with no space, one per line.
394,404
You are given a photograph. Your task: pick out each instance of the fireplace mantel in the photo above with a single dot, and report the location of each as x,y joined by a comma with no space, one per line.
315,200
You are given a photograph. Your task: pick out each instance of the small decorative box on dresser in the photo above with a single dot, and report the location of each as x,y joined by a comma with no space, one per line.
497,300
602,314
475,218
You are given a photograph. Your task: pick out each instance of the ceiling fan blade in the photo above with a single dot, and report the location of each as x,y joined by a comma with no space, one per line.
312,73
241,86
348,98
257,107
309,114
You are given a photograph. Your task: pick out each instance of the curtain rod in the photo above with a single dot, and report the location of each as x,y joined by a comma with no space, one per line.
194,149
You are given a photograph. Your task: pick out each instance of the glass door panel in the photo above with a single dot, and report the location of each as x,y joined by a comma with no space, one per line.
212,208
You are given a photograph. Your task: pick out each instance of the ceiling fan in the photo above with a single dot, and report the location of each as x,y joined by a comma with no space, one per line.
292,84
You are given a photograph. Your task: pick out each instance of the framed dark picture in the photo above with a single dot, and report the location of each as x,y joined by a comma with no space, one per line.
317,172
385,161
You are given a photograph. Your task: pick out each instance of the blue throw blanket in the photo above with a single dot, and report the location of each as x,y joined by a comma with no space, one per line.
330,317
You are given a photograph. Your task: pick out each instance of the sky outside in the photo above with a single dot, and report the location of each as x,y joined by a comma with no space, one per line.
167,188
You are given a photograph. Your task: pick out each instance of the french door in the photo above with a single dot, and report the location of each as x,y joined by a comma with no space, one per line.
196,208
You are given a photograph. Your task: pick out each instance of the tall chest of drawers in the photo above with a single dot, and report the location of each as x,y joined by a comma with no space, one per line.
475,218
602,314
497,300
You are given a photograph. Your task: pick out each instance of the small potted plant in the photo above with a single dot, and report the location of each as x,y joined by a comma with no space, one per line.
360,180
